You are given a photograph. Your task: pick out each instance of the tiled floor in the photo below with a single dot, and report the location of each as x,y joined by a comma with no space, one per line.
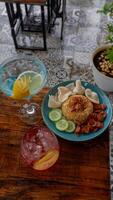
81,36
84,30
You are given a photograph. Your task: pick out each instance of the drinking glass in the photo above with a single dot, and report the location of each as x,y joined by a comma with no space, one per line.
22,78
39,148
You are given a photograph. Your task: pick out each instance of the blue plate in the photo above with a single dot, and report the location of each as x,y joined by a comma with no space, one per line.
72,136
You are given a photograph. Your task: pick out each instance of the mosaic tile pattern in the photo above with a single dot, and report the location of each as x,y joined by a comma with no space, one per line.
84,30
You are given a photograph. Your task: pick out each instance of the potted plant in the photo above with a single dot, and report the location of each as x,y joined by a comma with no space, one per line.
102,58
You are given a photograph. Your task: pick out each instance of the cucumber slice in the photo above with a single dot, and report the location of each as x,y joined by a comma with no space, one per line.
55,115
71,127
62,125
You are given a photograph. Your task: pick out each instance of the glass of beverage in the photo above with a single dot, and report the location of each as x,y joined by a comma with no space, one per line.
39,148
22,78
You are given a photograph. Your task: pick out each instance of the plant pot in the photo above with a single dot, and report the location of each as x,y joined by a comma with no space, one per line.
103,81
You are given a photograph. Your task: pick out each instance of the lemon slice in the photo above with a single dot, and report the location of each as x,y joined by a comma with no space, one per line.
35,84
27,73
21,88
47,161
26,84
35,80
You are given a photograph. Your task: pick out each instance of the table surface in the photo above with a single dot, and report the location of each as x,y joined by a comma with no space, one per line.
81,173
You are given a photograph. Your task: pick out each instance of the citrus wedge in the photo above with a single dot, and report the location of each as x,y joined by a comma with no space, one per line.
21,88
35,84
47,161
28,73
35,80
26,84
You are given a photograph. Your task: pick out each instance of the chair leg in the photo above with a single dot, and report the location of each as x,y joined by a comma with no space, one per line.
49,15
26,10
12,18
65,14
43,27
20,15
63,17
9,12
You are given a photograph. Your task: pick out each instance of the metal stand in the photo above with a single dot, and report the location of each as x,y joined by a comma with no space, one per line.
17,22
58,10
63,16
55,9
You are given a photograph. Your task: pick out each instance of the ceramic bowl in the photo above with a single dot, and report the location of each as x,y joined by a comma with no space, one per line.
104,82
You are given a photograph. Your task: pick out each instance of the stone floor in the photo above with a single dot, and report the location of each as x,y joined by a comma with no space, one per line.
84,30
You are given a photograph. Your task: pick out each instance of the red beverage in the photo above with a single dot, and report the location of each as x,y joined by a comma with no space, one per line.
40,148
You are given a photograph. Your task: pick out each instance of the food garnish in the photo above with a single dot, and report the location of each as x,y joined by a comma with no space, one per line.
26,84
21,88
78,89
92,96
55,115
63,93
62,125
54,102
48,160
71,127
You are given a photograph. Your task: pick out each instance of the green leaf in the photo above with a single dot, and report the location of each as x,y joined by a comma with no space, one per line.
109,55
110,28
106,9
109,38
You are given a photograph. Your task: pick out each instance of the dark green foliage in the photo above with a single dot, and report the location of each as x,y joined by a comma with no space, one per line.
109,54
108,9
109,38
110,28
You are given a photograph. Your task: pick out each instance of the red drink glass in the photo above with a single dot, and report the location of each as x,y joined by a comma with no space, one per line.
40,148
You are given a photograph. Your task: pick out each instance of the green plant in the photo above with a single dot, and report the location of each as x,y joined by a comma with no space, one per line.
107,9
109,54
